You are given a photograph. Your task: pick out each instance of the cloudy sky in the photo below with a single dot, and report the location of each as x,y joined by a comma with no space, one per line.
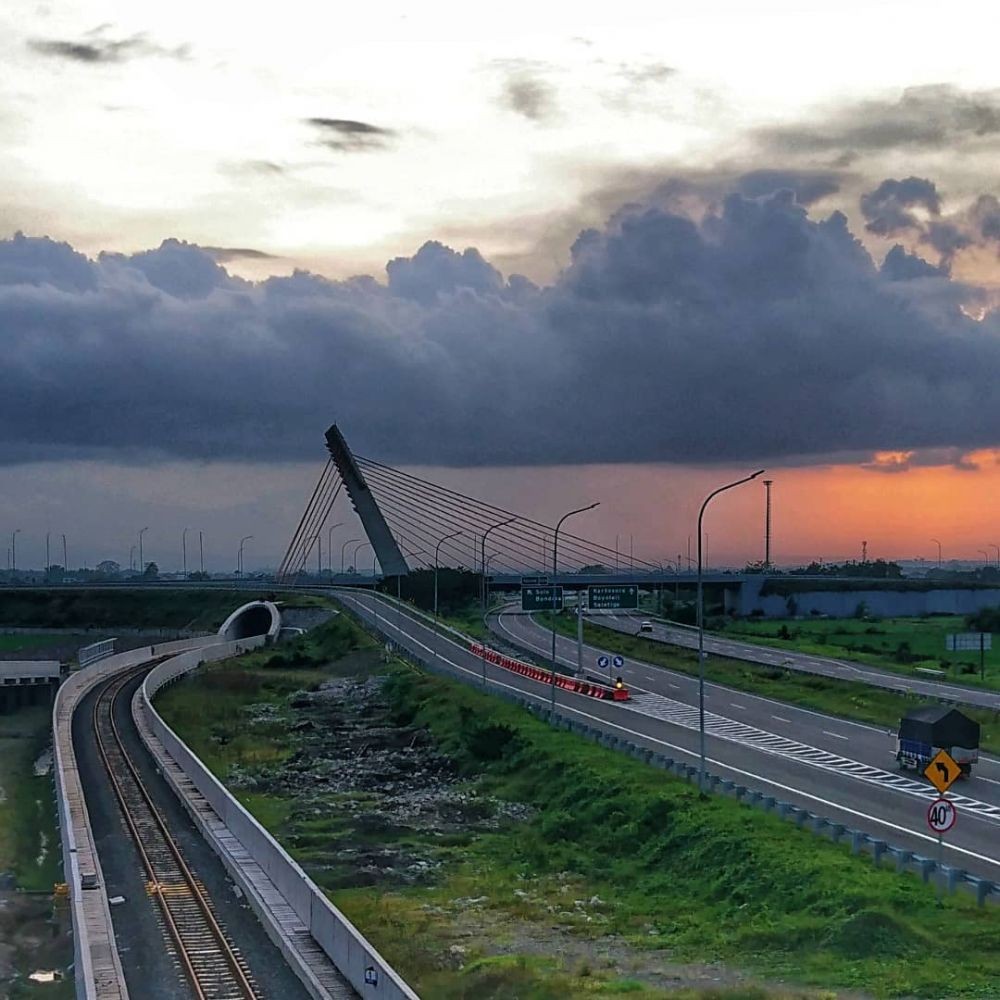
620,255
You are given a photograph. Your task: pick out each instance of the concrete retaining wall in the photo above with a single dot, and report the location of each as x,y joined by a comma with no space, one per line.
881,603
367,971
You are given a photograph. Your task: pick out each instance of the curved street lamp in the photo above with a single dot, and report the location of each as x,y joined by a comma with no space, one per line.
239,558
701,629
993,545
342,547
482,555
329,545
555,550
938,544
142,566
354,557
437,549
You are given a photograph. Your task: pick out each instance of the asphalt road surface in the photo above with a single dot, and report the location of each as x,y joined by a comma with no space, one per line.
841,770
843,669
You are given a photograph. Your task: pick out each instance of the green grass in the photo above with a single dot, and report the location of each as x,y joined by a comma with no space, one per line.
707,880
29,841
20,643
897,644
848,699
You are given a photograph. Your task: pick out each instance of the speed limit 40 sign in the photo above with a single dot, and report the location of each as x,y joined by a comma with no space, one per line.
941,815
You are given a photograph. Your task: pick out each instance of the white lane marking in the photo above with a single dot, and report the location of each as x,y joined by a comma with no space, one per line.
678,713
826,732
690,753
781,719
742,708
718,687
933,691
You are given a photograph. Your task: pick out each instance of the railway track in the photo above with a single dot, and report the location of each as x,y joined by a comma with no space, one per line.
213,966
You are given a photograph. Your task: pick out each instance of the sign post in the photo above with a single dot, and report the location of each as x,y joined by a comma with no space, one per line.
957,642
941,816
942,772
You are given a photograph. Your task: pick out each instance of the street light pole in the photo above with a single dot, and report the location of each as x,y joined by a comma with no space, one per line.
239,571
342,547
482,557
993,545
13,549
701,629
65,560
986,556
142,567
938,544
131,558
201,549
437,549
329,546
555,551
184,551
48,562
354,557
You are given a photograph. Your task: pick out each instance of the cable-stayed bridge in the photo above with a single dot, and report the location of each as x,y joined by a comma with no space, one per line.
412,523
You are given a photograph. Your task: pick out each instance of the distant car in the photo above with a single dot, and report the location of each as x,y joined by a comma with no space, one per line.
646,627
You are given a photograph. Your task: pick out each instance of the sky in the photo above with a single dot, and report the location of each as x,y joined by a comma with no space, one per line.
625,253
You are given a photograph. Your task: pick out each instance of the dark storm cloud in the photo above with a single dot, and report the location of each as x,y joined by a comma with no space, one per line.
748,333
926,117
350,136
888,209
94,49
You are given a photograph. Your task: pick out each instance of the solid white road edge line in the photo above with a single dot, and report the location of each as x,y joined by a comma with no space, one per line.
692,754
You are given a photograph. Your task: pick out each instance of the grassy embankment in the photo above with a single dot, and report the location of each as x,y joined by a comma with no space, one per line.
27,816
152,608
897,644
676,879
848,699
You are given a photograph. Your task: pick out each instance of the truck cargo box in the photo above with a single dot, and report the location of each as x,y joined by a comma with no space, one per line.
939,726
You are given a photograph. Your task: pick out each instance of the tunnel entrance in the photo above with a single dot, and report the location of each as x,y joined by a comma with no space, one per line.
255,618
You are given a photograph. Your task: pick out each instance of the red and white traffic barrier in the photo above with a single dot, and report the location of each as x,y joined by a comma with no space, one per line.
589,688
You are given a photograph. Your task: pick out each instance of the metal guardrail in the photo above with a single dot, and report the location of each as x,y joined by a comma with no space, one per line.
95,651
906,860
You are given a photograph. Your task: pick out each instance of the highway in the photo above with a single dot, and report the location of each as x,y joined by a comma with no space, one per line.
679,635
834,768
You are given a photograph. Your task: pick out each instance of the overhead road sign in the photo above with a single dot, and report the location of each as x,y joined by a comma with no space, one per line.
541,598
941,815
612,596
942,772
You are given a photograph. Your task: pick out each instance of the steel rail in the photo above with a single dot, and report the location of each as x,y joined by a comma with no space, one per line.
238,984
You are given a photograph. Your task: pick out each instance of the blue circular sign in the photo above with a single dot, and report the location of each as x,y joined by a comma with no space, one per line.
619,661
602,661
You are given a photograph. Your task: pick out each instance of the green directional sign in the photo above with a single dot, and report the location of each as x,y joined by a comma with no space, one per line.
612,596
541,598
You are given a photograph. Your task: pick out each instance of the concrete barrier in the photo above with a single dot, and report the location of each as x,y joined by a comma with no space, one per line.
357,960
